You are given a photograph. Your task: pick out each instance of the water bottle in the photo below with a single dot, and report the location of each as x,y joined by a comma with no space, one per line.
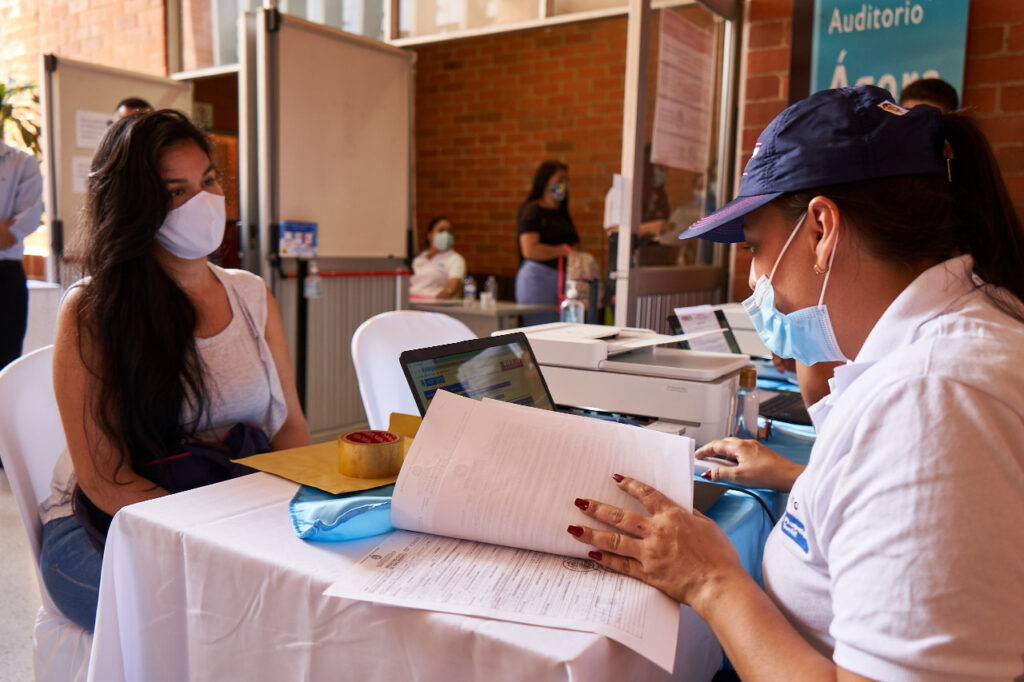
311,287
748,404
572,307
491,287
469,291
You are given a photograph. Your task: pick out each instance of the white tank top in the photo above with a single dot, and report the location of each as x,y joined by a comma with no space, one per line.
240,374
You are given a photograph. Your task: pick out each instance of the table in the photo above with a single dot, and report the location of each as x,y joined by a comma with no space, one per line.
212,584
482,321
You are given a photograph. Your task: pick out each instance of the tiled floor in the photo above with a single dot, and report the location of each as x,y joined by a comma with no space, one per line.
19,594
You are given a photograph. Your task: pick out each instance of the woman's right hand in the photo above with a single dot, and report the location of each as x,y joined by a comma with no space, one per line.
756,465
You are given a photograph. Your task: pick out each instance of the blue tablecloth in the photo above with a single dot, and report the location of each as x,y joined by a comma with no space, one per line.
741,516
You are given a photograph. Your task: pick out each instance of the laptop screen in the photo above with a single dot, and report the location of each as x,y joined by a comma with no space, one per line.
501,367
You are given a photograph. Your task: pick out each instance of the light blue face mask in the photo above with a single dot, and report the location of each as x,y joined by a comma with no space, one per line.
559,190
443,241
806,335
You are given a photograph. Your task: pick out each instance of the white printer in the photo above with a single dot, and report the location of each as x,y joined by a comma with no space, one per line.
624,370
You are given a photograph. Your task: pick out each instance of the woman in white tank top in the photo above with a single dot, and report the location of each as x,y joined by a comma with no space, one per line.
157,347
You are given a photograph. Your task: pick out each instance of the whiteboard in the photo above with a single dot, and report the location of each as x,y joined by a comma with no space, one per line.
339,108
78,105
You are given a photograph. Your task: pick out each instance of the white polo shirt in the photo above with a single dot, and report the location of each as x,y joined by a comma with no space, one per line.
901,551
430,276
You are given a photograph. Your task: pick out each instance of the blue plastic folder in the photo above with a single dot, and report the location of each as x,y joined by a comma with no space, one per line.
322,517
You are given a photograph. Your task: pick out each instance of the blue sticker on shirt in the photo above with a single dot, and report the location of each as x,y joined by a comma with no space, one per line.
794,529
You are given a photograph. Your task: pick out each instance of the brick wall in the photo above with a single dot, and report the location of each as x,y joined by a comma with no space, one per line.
490,109
124,33
196,36
764,91
993,86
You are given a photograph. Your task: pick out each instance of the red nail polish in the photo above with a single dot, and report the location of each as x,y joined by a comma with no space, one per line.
575,530
618,477
596,556
582,504
706,474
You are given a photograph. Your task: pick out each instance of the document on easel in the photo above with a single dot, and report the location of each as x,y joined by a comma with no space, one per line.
506,475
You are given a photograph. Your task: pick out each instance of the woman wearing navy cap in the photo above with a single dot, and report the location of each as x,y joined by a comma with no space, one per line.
883,238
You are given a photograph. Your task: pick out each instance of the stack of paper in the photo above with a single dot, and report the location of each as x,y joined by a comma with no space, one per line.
507,475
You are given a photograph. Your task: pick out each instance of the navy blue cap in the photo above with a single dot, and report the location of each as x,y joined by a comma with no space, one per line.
830,138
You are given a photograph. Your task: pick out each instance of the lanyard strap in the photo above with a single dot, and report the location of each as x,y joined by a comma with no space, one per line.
561,279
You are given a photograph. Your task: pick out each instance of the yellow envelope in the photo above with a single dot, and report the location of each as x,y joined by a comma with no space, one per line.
317,465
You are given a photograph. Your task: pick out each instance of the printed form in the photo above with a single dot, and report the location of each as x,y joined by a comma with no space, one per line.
507,475
477,579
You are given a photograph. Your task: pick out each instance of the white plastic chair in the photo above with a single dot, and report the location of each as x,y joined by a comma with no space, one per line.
376,345
31,440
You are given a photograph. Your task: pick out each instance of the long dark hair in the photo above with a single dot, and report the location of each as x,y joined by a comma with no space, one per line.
147,367
540,182
911,219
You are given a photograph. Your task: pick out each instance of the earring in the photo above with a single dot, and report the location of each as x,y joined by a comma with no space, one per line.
819,270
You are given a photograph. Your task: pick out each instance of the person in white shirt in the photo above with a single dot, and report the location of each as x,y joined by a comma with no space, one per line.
21,205
437,273
883,238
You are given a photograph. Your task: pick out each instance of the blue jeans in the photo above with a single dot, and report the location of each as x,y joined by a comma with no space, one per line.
536,283
71,570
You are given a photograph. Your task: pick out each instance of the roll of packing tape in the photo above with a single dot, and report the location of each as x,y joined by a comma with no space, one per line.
370,454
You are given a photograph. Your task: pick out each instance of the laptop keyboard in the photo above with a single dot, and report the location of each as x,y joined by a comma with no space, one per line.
786,407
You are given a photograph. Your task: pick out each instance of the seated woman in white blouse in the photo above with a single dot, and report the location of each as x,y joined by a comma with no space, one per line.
884,239
437,272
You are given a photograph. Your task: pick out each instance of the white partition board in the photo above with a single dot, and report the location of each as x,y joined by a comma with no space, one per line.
344,132
79,101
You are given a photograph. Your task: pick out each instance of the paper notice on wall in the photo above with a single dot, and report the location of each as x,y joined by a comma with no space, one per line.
80,173
683,106
701,318
90,127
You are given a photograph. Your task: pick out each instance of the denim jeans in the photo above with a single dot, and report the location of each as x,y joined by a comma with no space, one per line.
536,283
71,570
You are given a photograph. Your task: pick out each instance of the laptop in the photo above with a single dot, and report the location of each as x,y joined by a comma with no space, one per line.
499,367
787,406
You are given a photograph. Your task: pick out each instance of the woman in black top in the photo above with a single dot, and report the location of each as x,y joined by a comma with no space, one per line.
546,233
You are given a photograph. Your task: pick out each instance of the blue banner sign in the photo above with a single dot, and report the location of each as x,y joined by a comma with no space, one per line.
888,43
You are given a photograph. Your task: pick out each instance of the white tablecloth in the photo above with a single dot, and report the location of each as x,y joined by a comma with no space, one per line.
212,584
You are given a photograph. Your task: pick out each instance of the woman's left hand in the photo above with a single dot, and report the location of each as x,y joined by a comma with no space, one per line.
685,555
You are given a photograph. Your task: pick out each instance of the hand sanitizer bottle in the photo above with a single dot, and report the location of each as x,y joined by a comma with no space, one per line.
748,404
572,309
311,287
491,289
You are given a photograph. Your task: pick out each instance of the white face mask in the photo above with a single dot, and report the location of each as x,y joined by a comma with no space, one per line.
196,228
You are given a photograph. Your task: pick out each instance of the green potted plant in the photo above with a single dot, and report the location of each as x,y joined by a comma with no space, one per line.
18,104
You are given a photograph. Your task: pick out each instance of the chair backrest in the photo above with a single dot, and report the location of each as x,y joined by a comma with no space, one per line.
31,435
376,345
31,440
